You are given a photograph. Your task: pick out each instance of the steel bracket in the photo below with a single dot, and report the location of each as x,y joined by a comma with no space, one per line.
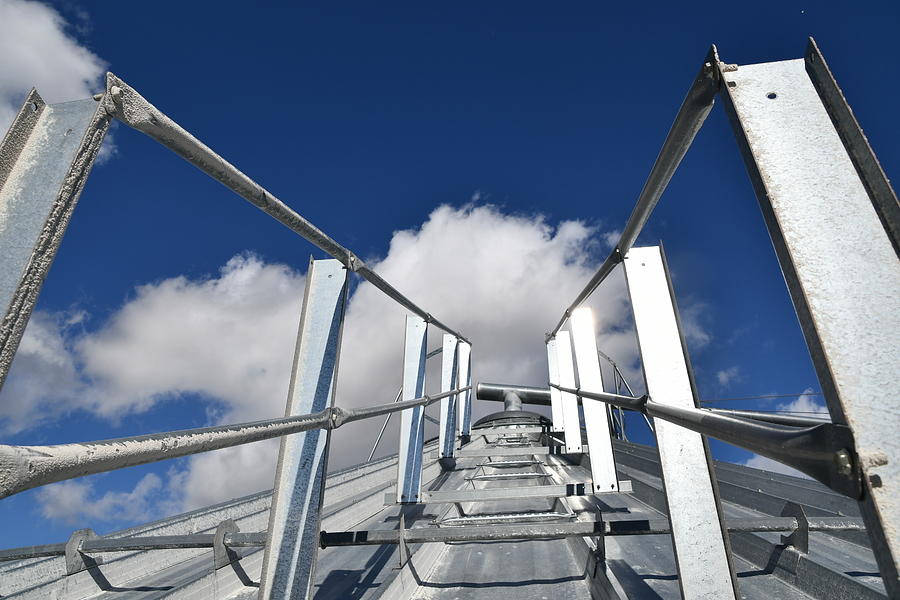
799,539
222,554
404,549
76,560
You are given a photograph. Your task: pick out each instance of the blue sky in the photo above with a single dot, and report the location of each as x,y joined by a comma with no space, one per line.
478,153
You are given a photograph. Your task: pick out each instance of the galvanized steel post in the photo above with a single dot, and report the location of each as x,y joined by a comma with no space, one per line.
818,188
566,367
289,562
45,159
449,376
464,400
702,552
599,435
412,423
556,412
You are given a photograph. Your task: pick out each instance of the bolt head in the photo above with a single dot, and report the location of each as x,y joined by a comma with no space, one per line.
844,462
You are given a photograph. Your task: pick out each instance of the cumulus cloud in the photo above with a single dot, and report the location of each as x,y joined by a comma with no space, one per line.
75,501
44,383
501,279
228,337
808,406
38,51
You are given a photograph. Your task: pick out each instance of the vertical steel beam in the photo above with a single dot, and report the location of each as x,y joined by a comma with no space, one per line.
290,557
449,375
45,159
556,411
840,267
698,533
566,368
412,421
464,402
590,379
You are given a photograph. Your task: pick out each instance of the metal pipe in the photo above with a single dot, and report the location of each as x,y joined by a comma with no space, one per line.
26,467
824,452
134,544
129,107
495,392
384,426
690,118
511,401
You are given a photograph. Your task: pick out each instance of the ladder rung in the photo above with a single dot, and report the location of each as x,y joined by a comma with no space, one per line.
419,535
501,476
509,430
513,493
529,517
502,464
527,451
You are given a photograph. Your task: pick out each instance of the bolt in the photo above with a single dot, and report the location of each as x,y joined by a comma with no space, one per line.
844,462
116,92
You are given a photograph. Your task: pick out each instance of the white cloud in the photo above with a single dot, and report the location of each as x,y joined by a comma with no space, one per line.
502,280
75,501
43,383
229,337
807,402
726,376
38,52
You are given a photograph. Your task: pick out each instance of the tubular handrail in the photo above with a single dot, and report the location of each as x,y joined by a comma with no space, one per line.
690,117
26,467
129,107
823,451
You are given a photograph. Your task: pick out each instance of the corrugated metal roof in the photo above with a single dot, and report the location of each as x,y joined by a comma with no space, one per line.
840,565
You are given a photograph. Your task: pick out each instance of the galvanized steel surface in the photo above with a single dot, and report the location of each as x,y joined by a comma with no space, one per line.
565,364
698,536
45,159
599,433
290,554
449,380
840,266
412,423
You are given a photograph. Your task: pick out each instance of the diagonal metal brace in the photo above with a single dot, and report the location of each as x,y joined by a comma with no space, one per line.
824,452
